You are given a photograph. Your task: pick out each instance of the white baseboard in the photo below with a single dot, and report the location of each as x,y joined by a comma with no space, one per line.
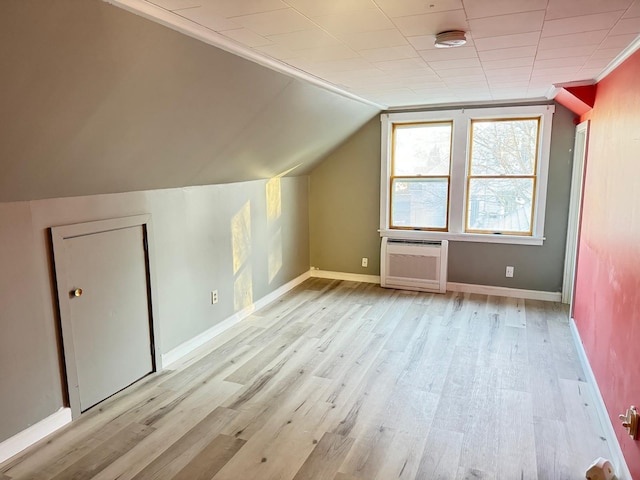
618,461
504,291
34,433
184,349
351,277
451,286
189,346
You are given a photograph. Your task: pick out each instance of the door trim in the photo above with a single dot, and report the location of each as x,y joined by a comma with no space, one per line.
575,212
58,236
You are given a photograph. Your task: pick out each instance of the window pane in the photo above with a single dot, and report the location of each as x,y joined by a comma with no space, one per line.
419,203
504,147
423,149
500,204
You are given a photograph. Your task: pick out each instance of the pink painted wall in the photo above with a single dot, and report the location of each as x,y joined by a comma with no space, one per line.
607,298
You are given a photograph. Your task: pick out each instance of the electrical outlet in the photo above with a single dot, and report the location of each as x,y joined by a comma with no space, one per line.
214,297
509,272
365,262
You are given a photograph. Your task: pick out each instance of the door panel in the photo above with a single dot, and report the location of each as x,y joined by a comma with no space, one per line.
110,319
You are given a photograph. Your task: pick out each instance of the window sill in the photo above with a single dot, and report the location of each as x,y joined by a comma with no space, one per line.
462,237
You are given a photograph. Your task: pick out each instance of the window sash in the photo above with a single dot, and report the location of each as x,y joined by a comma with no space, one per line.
418,179
528,232
471,177
393,178
498,120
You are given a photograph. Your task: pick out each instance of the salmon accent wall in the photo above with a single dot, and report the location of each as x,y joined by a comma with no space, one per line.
607,297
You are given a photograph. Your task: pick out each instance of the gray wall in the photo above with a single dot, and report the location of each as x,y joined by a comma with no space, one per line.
344,205
94,99
344,218
196,231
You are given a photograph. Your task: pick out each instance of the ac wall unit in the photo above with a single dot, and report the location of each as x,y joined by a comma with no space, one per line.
414,265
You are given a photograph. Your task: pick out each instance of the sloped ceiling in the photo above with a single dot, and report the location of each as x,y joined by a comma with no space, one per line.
97,100
383,50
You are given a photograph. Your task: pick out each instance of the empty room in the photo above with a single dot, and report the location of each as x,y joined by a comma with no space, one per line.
339,240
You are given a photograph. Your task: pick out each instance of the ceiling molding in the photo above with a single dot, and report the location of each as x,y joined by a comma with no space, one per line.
579,83
480,103
556,87
175,22
616,62
552,92
386,72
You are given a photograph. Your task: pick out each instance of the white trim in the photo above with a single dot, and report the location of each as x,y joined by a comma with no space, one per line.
577,83
62,417
462,237
503,291
618,461
199,32
622,56
184,349
189,346
59,236
556,87
451,286
462,118
575,207
477,103
36,432
351,277
552,91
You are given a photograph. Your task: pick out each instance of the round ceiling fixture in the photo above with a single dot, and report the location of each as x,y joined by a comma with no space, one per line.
450,38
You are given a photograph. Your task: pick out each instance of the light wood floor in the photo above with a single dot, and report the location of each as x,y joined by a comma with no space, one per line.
348,381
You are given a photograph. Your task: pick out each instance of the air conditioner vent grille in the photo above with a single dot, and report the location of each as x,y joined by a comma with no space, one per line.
413,242
414,265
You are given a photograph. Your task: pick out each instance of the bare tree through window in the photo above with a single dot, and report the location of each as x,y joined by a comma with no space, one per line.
502,175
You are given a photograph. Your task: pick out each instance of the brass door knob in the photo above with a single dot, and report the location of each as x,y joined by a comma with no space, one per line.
77,292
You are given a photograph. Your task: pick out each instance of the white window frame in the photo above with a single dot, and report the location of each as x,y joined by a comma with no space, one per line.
459,166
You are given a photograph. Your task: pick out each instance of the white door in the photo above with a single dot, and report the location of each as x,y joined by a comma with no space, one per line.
107,336
575,208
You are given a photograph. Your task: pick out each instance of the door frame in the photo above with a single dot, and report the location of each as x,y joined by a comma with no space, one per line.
58,236
580,146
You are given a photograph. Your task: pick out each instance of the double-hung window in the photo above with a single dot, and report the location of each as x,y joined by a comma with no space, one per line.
420,167
471,175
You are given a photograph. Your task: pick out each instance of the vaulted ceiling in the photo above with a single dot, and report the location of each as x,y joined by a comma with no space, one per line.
383,50
96,100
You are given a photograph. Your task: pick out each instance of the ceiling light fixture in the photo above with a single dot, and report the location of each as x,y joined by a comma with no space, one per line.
450,38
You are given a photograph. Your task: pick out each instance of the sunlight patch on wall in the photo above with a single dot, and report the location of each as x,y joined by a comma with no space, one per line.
241,243
241,236
275,254
274,199
243,289
273,191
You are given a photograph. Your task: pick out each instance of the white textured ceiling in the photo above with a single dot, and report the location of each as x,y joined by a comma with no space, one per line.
382,50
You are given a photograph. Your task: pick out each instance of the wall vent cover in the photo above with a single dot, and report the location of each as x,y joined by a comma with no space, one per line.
414,265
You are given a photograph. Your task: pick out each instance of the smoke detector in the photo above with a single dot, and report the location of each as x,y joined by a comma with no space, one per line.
450,38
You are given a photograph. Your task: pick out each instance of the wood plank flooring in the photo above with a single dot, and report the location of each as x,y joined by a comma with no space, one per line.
348,381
